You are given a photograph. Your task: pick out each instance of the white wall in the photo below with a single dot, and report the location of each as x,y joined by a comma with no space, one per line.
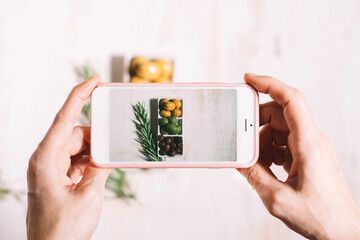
312,45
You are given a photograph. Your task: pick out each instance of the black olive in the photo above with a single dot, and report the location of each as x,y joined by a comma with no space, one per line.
161,138
166,147
161,144
172,153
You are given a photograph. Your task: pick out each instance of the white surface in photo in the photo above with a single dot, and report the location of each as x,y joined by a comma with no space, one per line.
208,114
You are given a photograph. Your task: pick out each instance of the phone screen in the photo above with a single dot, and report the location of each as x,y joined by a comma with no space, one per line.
180,124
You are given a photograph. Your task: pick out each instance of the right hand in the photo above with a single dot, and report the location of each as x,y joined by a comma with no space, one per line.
314,200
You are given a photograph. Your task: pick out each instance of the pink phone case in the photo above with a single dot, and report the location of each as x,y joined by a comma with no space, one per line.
187,165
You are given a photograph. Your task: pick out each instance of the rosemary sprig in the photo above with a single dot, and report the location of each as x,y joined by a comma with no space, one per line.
5,191
145,137
117,183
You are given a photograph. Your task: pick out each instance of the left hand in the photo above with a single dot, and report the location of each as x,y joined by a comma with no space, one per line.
59,205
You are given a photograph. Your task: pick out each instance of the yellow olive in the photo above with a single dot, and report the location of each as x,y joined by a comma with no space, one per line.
162,102
138,80
149,70
177,103
176,113
164,113
169,106
166,67
135,62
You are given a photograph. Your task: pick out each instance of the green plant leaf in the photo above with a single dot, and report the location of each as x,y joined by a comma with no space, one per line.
143,130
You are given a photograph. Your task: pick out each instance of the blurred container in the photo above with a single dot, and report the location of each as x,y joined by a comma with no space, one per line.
150,69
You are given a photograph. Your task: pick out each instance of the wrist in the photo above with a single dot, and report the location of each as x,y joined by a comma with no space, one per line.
345,227
356,230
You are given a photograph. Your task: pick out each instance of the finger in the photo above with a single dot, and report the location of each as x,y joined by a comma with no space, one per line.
288,160
63,124
77,143
278,154
282,156
263,181
278,137
266,145
272,113
79,149
93,179
269,137
78,164
296,112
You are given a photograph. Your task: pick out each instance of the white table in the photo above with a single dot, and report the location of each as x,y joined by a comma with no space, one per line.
311,45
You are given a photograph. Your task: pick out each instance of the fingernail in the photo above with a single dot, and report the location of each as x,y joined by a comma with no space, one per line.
93,76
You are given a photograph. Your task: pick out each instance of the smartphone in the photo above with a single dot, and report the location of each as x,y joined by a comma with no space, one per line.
178,125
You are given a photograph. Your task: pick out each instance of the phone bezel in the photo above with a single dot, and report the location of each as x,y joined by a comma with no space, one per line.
104,152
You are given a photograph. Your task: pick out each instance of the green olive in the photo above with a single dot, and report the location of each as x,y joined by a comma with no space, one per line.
164,131
172,120
172,128
163,121
178,129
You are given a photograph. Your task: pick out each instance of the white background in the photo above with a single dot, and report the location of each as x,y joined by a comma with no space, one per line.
311,45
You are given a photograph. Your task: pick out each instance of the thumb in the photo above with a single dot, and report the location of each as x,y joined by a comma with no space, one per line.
262,179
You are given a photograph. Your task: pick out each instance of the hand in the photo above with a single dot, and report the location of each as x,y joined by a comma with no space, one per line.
60,207
314,200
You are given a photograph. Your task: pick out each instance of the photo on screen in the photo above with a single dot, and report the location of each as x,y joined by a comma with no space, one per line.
186,124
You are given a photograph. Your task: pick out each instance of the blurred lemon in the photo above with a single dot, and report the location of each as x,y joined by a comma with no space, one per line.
136,79
166,67
149,70
135,62
162,80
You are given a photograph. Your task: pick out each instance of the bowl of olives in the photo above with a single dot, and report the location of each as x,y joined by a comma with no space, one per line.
170,126
170,146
